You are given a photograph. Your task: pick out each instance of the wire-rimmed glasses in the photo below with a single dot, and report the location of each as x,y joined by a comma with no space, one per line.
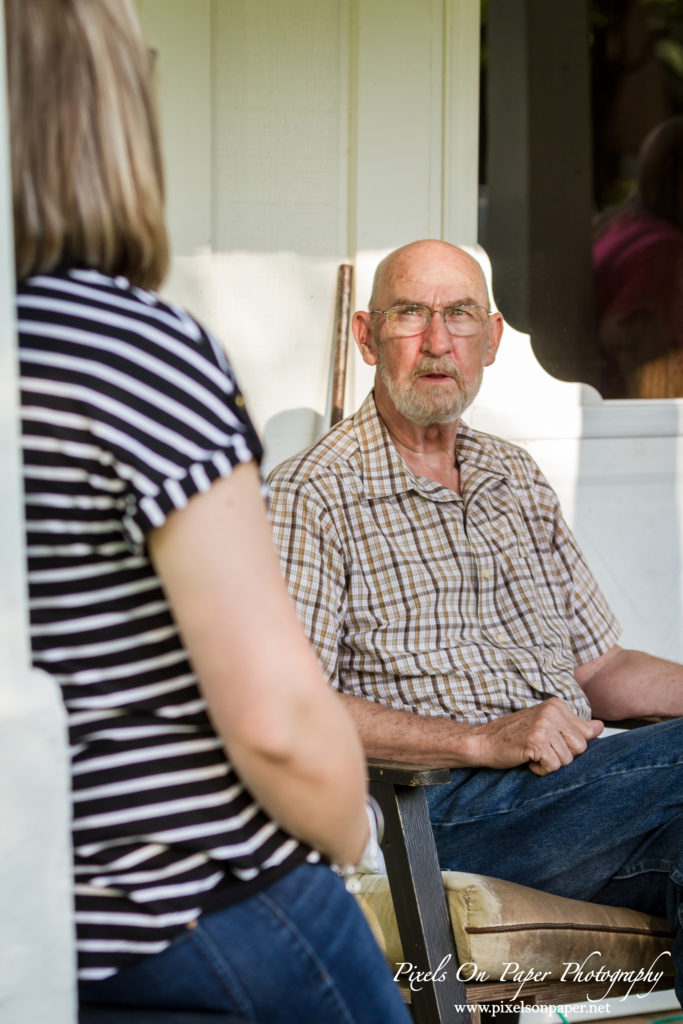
464,320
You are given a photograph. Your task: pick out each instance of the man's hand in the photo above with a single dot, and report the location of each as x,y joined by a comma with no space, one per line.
545,737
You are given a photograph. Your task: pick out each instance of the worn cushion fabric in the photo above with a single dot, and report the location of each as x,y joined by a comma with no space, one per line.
496,923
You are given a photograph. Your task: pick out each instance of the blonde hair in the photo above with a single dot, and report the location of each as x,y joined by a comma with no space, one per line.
87,176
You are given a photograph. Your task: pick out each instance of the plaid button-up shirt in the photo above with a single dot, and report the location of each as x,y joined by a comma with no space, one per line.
469,606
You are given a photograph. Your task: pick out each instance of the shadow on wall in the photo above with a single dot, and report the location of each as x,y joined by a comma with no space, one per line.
287,432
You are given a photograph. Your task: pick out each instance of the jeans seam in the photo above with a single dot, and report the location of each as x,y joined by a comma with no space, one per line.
643,868
327,979
556,794
217,961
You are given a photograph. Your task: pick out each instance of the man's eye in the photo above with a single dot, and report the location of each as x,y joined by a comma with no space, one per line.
457,312
410,311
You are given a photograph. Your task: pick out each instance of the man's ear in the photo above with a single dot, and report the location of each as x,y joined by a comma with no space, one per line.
495,334
365,337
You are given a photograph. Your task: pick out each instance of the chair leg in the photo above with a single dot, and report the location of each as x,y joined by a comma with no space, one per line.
420,903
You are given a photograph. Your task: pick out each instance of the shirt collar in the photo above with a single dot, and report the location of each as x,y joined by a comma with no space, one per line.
385,473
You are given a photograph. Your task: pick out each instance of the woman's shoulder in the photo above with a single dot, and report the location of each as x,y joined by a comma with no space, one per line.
109,314
77,291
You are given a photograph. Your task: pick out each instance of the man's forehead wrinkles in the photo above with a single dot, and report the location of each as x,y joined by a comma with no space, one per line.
452,279
427,276
405,300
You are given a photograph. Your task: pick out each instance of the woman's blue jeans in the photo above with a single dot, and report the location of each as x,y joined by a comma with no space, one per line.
298,952
606,828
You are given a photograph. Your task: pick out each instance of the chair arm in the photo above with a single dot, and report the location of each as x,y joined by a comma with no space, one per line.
416,885
402,773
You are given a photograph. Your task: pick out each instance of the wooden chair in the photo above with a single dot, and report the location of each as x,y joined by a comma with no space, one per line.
448,922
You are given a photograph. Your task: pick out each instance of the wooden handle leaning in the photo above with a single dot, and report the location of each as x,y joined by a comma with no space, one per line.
340,344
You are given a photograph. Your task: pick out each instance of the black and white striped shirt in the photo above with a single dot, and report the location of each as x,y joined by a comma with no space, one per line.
129,408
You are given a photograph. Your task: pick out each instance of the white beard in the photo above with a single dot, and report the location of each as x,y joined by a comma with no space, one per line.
427,405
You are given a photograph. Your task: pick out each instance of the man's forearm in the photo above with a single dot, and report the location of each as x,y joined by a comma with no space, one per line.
544,736
628,684
403,736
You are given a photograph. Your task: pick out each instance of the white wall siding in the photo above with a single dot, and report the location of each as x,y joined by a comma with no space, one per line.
300,135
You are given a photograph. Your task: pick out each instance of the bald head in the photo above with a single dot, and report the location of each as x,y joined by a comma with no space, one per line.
427,374
431,261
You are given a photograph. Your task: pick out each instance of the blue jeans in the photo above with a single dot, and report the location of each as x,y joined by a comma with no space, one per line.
298,951
606,828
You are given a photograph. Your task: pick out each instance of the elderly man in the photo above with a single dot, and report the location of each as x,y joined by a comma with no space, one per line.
450,605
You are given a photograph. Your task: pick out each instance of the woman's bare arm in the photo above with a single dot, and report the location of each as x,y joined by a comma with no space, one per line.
286,732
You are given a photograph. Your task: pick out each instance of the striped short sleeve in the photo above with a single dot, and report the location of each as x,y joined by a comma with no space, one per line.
143,381
207,433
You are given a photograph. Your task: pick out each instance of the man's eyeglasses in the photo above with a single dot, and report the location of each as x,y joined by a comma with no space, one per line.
407,320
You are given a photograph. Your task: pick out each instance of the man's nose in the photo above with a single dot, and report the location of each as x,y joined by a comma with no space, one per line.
436,337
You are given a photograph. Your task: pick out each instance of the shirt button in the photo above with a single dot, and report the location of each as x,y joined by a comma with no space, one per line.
501,638
486,574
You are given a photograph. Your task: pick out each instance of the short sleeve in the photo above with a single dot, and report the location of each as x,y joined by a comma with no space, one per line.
171,419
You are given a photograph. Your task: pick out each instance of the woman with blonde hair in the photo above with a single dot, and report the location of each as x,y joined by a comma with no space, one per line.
215,774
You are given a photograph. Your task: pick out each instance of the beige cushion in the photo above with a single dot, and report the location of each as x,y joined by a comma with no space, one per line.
497,923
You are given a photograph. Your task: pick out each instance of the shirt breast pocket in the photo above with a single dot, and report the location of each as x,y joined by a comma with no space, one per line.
495,523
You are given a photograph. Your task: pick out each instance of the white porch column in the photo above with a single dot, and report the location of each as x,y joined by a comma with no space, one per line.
36,947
